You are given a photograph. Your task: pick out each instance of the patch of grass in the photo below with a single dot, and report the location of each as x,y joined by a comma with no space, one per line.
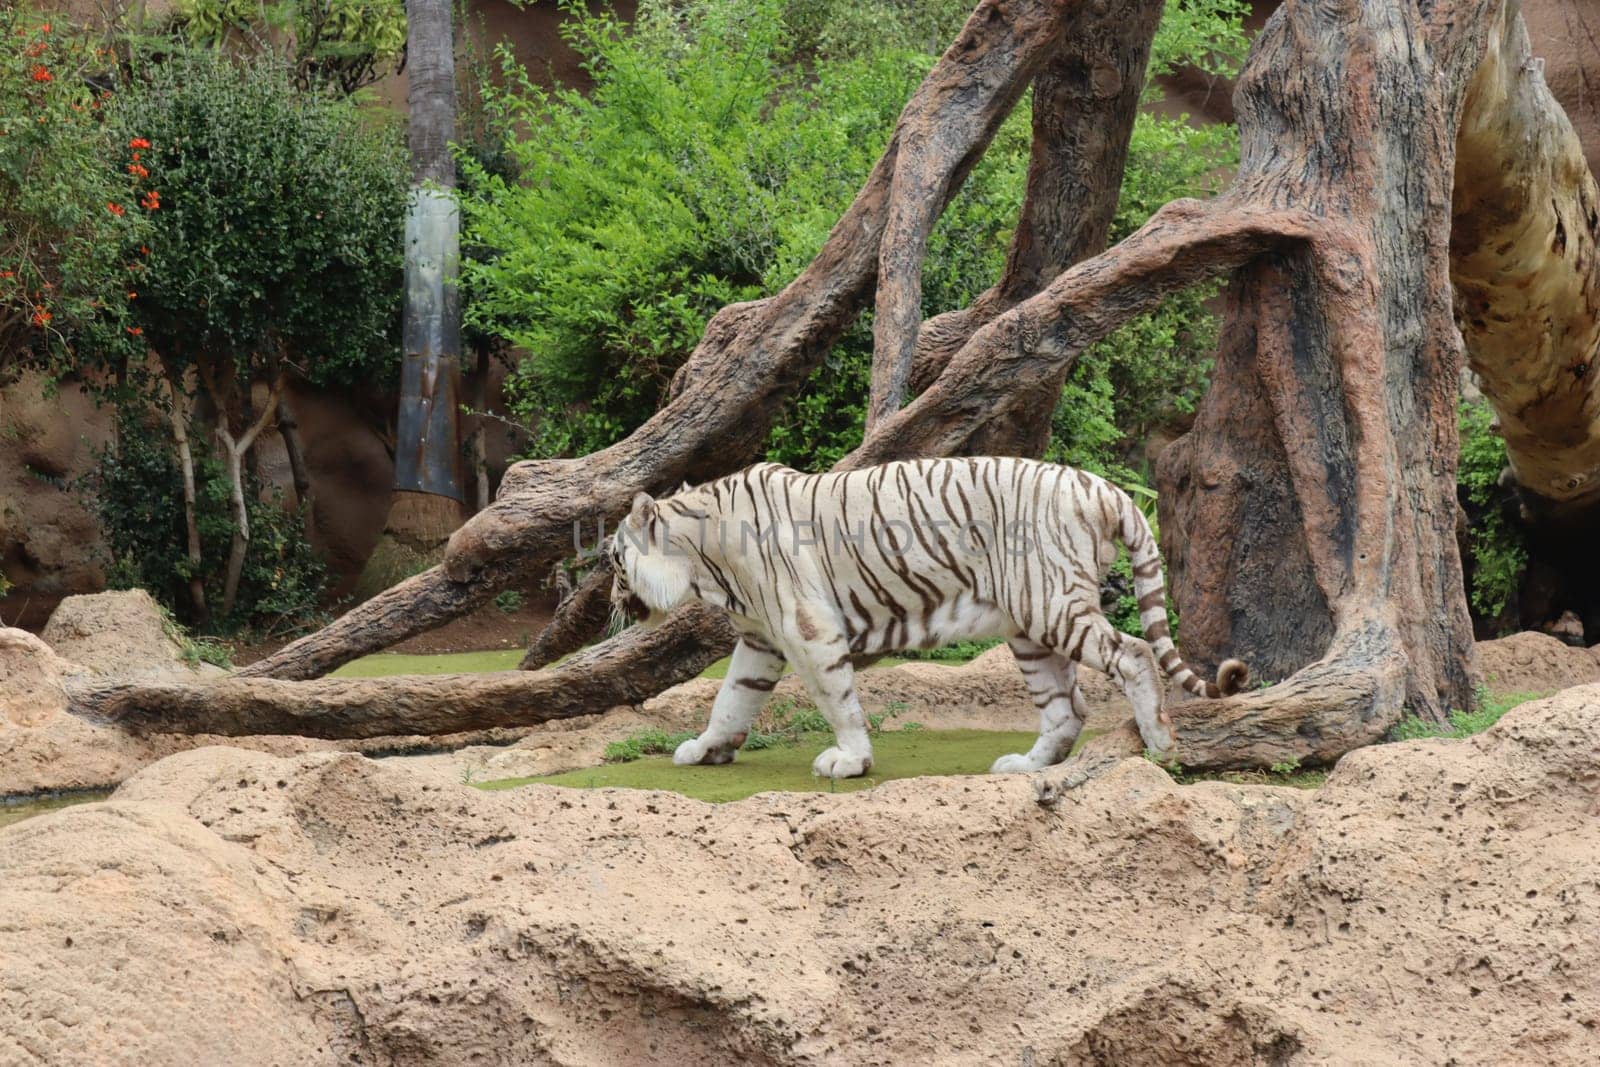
1289,773
1490,707
787,767
649,742
14,811
386,663
195,650
960,652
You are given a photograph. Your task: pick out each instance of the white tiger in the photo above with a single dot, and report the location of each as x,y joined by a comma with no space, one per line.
815,569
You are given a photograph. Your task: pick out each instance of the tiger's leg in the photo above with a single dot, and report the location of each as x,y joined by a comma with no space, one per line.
1053,682
1094,642
753,671
823,663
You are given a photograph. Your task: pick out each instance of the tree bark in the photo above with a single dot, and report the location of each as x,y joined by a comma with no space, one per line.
177,397
1313,505
1526,217
234,451
580,618
427,459
289,430
586,684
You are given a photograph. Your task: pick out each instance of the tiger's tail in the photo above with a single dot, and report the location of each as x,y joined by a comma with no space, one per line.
1149,585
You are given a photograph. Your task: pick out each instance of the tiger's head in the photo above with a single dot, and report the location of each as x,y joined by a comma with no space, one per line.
651,570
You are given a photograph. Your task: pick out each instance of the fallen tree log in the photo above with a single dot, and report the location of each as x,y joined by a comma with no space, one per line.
586,684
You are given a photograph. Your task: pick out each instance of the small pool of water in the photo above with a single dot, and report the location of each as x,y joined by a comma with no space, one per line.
14,811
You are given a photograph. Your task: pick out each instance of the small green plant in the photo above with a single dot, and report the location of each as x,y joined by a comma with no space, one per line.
1499,551
890,711
508,601
195,650
1284,768
1167,763
1487,710
648,742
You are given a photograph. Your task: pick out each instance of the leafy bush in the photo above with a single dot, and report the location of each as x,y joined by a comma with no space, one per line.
1499,553
340,43
68,209
279,222
719,146
696,173
136,491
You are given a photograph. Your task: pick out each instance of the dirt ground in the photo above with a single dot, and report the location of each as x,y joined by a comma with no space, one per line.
1435,902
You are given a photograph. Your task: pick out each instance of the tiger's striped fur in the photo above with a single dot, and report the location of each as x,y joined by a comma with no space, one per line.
816,570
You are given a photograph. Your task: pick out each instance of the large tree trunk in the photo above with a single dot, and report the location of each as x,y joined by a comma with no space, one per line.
427,503
1526,217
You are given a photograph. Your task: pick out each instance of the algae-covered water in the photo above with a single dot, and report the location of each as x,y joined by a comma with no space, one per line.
14,811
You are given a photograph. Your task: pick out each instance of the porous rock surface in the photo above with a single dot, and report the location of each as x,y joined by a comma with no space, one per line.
1437,901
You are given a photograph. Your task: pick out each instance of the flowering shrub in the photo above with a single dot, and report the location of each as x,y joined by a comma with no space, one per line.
65,194
276,221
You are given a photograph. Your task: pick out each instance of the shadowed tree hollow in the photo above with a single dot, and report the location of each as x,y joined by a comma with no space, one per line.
1408,194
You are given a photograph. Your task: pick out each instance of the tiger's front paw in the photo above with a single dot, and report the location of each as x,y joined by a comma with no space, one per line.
696,750
837,763
1016,763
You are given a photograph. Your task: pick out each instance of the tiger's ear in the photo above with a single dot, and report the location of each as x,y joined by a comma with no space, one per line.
644,507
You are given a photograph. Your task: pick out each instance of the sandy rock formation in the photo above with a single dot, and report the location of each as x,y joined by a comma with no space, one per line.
1532,662
1435,901
121,633
31,693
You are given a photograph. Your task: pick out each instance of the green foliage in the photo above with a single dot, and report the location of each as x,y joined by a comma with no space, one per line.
191,649
1488,708
718,148
646,742
336,43
68,203
137,492
508,601
700,171
1499,552
960,652
279,223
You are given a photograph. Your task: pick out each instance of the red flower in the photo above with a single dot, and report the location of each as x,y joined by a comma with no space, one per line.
135,331
42,75
41,318
45,28
137,171
138,142
132,294
151,201
8,274
35,50
143,251
116,209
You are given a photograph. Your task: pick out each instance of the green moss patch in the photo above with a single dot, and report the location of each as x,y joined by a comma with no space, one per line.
896,754
386,663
